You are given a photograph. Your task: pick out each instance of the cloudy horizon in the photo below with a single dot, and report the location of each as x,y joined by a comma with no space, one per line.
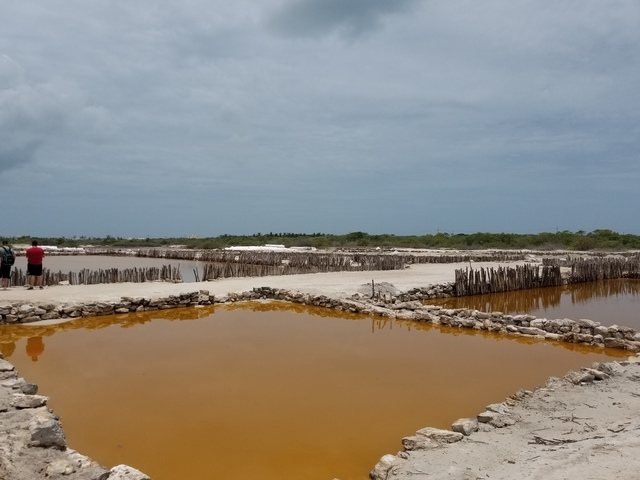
408,117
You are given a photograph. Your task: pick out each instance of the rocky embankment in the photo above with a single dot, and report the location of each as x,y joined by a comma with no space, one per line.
406,306
583,426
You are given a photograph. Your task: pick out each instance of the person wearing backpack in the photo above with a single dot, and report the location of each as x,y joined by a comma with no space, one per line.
8,259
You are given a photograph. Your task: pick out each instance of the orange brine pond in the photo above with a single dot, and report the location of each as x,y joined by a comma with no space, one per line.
269,390
610,302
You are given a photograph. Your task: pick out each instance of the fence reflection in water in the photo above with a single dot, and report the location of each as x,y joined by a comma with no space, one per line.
608,302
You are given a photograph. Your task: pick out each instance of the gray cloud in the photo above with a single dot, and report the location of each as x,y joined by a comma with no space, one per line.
313,18
35,115
194,118
11,73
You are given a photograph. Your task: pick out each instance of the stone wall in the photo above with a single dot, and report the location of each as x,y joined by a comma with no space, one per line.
581,331
405,306
22,312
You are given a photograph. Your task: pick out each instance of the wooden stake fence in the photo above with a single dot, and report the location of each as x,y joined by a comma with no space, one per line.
505,279
256,263
166,273
591,269
471,281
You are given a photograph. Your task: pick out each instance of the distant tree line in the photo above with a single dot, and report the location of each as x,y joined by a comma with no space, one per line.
577,241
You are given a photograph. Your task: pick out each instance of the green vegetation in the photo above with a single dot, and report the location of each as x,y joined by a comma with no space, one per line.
606,240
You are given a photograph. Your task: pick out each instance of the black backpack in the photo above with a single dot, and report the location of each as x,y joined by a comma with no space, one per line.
8,257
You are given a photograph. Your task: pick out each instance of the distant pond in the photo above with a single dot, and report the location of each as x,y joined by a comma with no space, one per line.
610,302
76,263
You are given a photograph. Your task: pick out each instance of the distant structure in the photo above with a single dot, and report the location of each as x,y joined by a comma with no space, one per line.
62,250
53,250
270,247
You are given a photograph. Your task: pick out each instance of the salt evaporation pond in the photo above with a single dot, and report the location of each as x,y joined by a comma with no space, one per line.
610,302
269,391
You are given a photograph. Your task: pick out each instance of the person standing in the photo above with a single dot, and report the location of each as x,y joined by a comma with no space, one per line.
34,265
8,259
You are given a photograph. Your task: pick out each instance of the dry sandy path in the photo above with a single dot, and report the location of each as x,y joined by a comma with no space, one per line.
338,284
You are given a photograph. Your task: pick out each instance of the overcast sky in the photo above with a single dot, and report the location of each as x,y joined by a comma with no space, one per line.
152,118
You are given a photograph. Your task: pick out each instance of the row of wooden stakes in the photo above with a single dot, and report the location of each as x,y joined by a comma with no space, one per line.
166,273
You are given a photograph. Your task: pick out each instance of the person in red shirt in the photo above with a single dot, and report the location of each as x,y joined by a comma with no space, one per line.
34,265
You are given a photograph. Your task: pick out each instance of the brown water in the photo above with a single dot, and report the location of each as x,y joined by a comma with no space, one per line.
272,392
608,302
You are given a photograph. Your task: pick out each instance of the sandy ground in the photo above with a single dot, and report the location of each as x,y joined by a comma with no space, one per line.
562,431
339,284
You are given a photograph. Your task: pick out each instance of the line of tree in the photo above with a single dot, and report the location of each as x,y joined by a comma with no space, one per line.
605,240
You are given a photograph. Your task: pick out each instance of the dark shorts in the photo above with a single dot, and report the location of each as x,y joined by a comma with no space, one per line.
5,271
35,270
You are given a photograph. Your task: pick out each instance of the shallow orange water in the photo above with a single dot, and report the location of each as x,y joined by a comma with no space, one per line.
608,302
273,391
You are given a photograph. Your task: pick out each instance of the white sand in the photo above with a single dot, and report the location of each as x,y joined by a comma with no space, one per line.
339,284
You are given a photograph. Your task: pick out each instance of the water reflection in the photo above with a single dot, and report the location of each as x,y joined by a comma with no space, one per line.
7,348
604,289
607,302
34,347
35,333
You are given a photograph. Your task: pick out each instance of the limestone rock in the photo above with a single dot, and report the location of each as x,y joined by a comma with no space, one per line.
6,366
16,383
25,310
538,323
615,343
531,331
486,416
124,472
381,470
47,434
465,426
60,467
29,388
418,442
440,436
500,408
422,315
20,400
579,377
597,374
502,421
